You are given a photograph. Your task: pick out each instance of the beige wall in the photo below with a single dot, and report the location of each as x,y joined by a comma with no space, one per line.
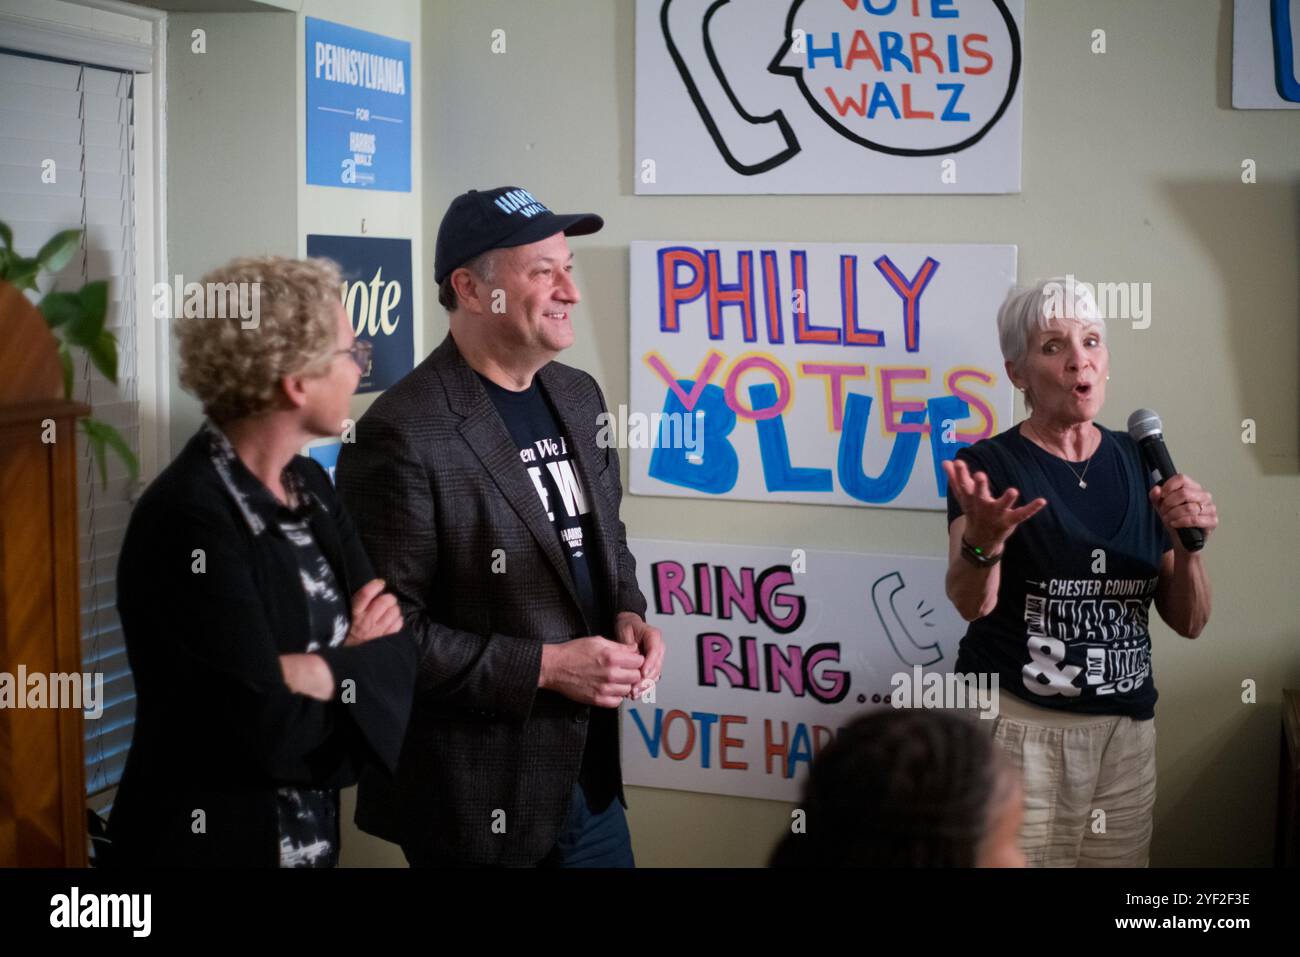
230,169
1131,173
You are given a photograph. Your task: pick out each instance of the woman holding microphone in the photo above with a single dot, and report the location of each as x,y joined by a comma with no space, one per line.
1058,546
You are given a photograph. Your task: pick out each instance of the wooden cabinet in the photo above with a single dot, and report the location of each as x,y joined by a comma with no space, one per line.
42,778
1288,784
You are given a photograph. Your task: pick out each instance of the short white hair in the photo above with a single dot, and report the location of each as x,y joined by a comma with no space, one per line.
1030,309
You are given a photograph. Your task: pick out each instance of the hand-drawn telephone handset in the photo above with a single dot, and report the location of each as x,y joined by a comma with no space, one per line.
883,592
747,142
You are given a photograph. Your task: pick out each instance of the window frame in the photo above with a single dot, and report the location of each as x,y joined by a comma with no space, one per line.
121,36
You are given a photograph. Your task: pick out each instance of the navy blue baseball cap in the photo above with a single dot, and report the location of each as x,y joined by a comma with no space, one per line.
495,218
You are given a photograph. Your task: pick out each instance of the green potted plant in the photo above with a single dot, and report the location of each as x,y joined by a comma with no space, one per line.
77,321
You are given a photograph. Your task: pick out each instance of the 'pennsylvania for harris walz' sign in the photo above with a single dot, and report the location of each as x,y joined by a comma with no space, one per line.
358,108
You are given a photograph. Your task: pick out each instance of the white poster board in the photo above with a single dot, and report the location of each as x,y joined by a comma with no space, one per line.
769,652
812,372
828,96
1265,68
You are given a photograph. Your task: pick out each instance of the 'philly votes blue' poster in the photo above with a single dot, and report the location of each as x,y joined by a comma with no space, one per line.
358,108
377,296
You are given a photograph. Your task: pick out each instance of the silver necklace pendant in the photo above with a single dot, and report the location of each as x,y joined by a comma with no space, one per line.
1078,475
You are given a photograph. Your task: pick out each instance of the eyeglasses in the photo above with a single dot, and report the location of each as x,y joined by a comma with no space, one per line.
361,352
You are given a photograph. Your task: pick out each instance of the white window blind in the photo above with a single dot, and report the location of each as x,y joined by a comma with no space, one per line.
81,118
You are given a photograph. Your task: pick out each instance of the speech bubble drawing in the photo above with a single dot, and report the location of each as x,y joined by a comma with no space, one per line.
904,77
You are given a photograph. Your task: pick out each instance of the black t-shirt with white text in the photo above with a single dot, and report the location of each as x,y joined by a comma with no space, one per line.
1070,628
545,453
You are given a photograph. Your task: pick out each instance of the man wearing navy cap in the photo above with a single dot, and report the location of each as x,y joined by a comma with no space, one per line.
492,513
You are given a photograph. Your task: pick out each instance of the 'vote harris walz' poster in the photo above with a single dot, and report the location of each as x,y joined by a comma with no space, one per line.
828,96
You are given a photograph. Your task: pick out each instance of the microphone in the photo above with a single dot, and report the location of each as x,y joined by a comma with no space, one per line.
1145,429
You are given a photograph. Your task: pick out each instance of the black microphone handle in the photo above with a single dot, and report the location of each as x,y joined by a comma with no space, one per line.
1162,468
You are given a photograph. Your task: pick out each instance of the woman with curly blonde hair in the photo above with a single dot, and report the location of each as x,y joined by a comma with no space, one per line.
269,662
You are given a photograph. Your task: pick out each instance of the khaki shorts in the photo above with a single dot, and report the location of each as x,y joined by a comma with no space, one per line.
1089,784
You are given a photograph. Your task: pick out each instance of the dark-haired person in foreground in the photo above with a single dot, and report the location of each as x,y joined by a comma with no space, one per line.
269,663
908,788
1058,589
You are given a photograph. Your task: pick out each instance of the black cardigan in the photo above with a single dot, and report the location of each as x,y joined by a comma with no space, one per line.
217,731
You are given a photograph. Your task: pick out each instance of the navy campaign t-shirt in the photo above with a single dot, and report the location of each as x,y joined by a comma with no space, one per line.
546,456
545,453
1070,627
